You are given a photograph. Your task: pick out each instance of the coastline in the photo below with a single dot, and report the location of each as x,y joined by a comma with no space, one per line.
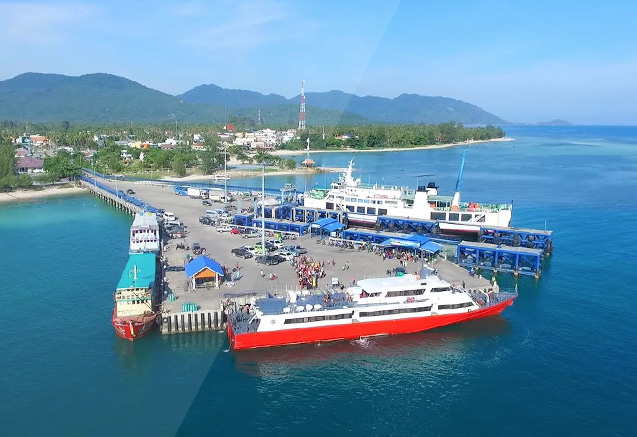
27,195
237,174
396,149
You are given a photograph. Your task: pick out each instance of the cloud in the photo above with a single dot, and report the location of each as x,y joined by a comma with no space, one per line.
40,23
250,25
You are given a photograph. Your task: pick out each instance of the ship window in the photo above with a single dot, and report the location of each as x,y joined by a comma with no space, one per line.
466,217
454,216
360,209
365,200
439,289
396,311
405,293
371,210
382,211
329,205
317,318
438,215
481,219
455,306
350,208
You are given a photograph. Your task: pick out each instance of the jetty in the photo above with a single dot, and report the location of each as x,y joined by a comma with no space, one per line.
195,300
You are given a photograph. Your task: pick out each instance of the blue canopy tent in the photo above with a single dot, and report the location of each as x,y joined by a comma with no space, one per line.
332,227
203,269
320,224
431,247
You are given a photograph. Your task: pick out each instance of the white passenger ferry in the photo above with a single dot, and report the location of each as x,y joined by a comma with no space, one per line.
363,203
144,234
381,306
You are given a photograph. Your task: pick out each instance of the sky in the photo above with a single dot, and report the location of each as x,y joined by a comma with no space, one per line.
525,61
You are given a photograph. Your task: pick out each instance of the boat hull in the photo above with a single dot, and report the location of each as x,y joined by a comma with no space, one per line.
133,328
356,330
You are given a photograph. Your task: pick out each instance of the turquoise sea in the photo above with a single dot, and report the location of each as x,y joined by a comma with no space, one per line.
561,361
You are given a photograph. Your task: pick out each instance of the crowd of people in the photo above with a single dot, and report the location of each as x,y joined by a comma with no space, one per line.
309,271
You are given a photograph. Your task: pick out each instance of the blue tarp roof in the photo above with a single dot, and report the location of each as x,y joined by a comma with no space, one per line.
419,238
200,263
139,271
400,242
333,227
431,247
320,223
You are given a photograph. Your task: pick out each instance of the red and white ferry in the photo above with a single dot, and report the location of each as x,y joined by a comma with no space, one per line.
374,307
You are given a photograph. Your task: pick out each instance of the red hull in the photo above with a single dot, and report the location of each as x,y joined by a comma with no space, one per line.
356,330
133,328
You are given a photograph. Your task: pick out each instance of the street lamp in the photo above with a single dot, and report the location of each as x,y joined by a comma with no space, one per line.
263,209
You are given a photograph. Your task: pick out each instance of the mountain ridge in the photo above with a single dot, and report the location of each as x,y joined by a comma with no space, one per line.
106,98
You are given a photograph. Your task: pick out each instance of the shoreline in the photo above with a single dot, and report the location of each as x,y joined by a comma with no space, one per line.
396,149
239,174
27,195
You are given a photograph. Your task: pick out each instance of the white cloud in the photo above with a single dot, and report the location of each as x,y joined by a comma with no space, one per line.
252,24
40,23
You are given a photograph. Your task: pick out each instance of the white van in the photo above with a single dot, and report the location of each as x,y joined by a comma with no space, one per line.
169,215
213,213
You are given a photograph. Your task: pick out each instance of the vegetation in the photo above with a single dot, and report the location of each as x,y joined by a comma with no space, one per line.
8,178
105,98
62,165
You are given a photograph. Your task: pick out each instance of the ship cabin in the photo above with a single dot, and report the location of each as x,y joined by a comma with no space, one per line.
135,294
144,233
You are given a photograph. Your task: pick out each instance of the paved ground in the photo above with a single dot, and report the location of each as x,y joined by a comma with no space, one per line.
362,264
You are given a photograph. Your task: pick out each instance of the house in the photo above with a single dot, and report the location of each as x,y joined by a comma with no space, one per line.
21,152
29,164
308,163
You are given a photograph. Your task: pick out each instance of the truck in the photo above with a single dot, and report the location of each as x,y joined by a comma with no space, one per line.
197,193
219,196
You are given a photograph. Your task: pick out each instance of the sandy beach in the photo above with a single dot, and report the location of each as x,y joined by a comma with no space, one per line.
242,173
397,149
27,195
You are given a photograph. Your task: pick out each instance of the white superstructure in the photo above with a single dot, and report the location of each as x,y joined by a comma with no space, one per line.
144,233
363,203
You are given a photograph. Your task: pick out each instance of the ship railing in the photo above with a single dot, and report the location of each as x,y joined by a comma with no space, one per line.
486,297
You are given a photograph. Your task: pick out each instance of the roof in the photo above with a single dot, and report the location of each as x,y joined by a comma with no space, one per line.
145,219
320,223
431,247
202,262
29,162
331,227
144,265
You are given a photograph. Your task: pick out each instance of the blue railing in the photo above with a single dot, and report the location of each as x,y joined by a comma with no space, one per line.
119,194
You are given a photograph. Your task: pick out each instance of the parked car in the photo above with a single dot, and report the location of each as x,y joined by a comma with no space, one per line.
268,260
130,192
236,231
242,252
286,255
277,244
206,202
298,249
224,228
205,220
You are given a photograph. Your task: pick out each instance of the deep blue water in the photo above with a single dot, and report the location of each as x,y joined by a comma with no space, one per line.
561,361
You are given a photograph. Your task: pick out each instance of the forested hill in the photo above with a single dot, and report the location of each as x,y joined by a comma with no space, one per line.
406,108
105,98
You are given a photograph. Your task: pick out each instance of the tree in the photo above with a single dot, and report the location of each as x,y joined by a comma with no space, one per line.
179,166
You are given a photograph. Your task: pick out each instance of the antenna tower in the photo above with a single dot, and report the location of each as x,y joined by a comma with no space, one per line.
302,108
259,117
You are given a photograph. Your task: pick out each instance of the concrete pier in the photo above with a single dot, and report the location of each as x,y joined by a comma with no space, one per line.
348,265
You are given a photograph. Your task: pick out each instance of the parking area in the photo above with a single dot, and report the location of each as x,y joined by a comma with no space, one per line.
346,264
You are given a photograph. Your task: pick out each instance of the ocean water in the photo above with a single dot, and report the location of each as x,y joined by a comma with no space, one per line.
561,361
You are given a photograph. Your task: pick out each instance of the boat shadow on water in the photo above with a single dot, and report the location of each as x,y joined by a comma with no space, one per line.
442,341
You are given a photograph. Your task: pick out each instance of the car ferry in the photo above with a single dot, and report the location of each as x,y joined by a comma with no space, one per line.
363,203
374,307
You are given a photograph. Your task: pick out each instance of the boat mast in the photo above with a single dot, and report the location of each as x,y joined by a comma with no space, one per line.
456,195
